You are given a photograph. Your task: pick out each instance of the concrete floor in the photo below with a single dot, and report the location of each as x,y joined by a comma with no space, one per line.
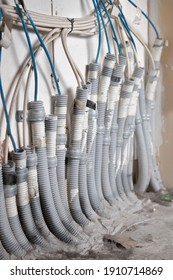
147,234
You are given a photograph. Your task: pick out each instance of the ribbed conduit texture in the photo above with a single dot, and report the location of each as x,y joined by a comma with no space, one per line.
116,78
125,96
10,191
74,156
93,73
51,125
24,208
34,194
7,237
3,253
83,190
37,117
105,78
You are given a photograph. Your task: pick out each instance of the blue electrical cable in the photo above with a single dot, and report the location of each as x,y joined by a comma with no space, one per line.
3,99
100,31
110,2
30,49
112,27
104,27
46,52
149,20
125,24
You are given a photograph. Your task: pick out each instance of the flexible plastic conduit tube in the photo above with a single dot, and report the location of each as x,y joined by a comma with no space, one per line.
153,177
36,117
113,96
154,75
128,135
24,207
126,92
143,164
34,195
74,156
83,190
3,253
93,77
60,110
51,125
7,237
116,78
10,192
150,106
104,82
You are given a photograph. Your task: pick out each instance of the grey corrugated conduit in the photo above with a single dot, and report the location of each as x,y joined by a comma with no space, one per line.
23,203
93,76
127,148
10,192
74,156
126,92
156,181
116,78
7,237
35,198
60,110
83,190
3,253
104,83
36,116
50,126
113,97
143,164
146,126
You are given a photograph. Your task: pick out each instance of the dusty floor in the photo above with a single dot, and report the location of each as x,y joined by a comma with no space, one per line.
147,234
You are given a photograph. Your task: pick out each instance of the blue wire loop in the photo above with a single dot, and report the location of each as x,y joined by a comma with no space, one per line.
104,26
112,27
125,24
30,49
3,98
149,20
100,32
43,46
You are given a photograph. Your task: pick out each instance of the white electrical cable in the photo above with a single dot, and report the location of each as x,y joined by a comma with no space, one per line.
75,69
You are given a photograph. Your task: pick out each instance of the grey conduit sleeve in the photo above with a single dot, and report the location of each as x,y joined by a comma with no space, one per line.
93,74
83,190
129,129
36,116
34,194
153,176
104,83
3,253
113,97
151,87
116,78
126,92
74,156
60,110
10,192
143,164
154,75
7,237
24,208
51,125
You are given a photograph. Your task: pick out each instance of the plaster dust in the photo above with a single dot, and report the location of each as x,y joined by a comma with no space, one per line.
147,234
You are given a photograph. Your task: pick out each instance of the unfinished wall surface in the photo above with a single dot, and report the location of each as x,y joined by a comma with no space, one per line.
161,12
